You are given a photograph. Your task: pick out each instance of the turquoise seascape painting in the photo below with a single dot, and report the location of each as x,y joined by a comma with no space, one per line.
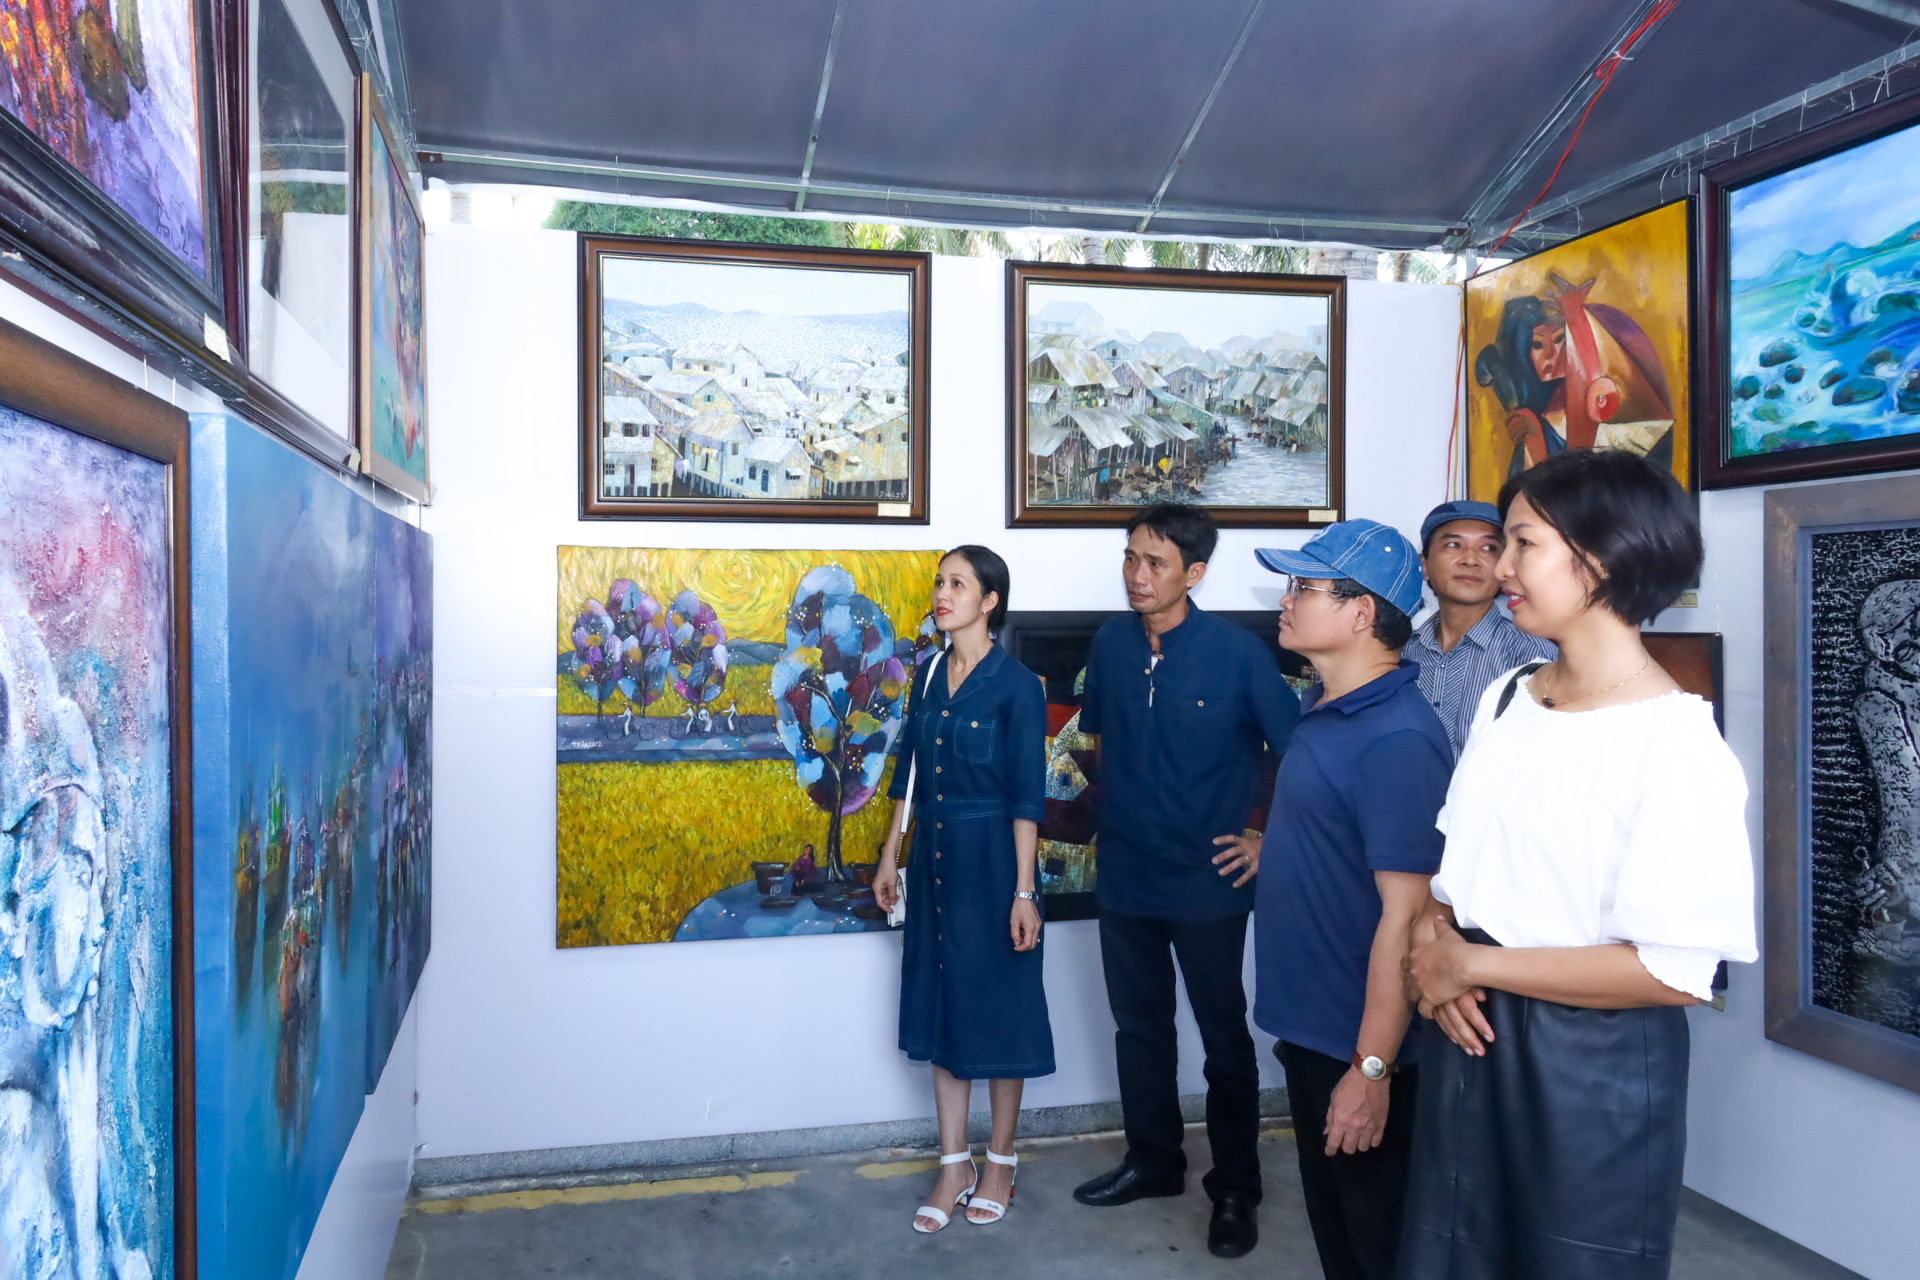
1824,301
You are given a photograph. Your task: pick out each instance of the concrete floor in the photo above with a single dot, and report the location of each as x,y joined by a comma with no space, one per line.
847,1216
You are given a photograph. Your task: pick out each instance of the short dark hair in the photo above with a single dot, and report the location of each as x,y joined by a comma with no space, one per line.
1189,528
991,570
1391,625
1630,522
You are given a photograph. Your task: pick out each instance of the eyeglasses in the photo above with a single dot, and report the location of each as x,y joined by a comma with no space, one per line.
1295,586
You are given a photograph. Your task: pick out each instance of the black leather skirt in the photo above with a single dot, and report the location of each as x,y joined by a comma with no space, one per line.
1558,1155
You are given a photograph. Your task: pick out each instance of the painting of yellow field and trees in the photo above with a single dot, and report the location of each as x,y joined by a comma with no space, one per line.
726,722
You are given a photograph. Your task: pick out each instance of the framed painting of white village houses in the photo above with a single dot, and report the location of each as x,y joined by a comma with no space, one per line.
1128,386
752,382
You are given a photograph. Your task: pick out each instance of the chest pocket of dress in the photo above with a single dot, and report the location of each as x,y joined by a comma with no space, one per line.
974,740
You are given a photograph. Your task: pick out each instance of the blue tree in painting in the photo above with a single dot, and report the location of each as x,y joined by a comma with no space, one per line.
699,649
597,647
646,649
839,691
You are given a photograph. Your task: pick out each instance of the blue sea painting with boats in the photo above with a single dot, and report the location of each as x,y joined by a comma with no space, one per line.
1824,314
284,756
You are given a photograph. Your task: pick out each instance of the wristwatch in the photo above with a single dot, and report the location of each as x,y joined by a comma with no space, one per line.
1373,1068
1029,895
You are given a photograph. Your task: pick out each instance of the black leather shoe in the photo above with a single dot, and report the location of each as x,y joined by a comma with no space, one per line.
1125,1185
1234,1231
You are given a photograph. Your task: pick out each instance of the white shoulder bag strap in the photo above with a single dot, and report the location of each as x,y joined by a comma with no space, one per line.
898,916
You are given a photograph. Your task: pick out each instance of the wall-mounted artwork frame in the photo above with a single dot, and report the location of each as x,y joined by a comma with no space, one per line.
1053,644
1129,386
301,173
727,381
1584,344
95,650
390,370
754,697
1810,328
1842,601
117,178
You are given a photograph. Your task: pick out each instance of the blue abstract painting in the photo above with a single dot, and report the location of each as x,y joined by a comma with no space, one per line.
1824,304
402,783
285,751
86,880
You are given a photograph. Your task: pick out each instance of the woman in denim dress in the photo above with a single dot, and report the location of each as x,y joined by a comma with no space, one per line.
971,999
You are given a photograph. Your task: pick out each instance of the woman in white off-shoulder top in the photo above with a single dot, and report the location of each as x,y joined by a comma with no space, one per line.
1596,872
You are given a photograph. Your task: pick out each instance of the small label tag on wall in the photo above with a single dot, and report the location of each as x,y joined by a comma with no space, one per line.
893,510
1322,515
1691,600
216,339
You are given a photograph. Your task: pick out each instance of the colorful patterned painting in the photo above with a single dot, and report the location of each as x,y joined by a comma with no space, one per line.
398,432
285,753
1583,345
113,89
86,880
401,804
726,726
1823,343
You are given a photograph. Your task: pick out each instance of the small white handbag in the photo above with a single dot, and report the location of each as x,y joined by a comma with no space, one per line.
898,915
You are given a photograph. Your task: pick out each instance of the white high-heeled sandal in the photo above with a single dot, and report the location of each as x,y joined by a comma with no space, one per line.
938,1215
994,1207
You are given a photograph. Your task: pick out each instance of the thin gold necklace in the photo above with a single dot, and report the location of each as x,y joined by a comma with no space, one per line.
1551,703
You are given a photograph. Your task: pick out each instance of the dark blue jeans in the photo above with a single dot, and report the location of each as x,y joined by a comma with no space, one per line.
1137,953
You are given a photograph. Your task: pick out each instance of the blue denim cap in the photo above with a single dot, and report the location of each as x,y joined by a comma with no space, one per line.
1448,512
1376,556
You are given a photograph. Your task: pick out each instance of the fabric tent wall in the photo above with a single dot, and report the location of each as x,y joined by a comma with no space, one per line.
525,1047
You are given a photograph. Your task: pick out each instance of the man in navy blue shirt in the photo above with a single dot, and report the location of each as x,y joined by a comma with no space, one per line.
1341,880
1185,706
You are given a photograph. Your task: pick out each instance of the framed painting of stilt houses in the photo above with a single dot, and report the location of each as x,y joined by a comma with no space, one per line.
752,382
1221,389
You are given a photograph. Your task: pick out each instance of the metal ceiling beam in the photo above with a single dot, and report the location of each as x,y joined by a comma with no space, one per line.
1193,131
1279,224
1907,13
820,103
1877,70
1539,145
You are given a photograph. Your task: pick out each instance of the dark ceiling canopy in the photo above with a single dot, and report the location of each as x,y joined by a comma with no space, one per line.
1374,121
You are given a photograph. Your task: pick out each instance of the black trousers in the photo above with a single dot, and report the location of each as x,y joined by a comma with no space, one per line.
1354,1202
1137,953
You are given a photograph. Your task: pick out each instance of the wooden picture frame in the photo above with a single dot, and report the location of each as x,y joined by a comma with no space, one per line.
1139,436
1808,460
377,139
1794,517
45,382
1052,643
78,243
842,447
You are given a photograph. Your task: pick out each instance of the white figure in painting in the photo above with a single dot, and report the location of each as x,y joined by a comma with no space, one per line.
733,709
706,722
53,903
1887,713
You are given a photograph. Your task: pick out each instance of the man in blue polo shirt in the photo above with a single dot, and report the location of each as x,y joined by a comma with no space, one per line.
1468,642
1185,706
1341,879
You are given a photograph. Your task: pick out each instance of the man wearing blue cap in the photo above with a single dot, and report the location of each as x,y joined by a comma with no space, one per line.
1467,643
1341,879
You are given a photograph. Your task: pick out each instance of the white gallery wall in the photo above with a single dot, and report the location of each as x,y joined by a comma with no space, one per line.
524,1046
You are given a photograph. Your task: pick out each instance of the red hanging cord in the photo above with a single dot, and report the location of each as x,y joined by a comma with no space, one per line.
1605,75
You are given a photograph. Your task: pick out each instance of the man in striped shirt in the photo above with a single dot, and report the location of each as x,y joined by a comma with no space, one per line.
1467,642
